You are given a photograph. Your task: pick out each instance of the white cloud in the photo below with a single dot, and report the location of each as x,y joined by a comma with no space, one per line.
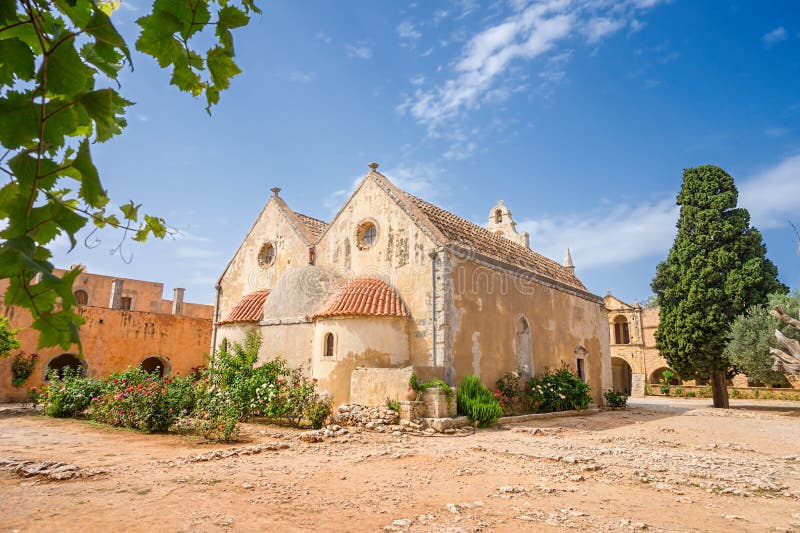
599,27
619,234
324,37
486,57
608,236
775,36
299,76
773,195
359,51
483,72
417,80
407,30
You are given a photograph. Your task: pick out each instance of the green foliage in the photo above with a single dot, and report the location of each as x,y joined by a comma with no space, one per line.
272,390
135,399
616,400
434,383
317,411
394,405
8,336
715,269
71,394
667,377
476,402
752,334
22,367
59,63
558,391
509,393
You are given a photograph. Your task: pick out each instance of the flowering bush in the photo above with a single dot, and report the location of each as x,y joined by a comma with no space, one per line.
22,368
557,391
135,399
509,393
69,395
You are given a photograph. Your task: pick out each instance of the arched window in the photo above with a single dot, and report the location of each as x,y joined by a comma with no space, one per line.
498,217
580,361
154,364
621,332
328,345
82,297
64,361
524,357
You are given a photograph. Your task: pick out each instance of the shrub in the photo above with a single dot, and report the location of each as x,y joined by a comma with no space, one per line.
558,391
318,410
666,377
616,399
477,402
69,395
691,394
138,400
22,368
437,383
509,393
394,405
215,414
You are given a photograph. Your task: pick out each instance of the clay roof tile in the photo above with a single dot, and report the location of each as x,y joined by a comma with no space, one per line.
249,309
363,297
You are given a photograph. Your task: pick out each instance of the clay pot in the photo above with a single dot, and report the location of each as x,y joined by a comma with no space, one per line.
411,395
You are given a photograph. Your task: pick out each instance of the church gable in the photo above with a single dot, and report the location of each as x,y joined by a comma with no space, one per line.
279,239
374,235
613,303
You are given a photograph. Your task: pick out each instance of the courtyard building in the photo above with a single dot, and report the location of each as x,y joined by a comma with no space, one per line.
394,284
128,323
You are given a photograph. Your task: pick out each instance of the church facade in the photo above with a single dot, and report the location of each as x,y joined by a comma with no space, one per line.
394,284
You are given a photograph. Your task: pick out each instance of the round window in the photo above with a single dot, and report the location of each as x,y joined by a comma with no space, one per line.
366,235
267,255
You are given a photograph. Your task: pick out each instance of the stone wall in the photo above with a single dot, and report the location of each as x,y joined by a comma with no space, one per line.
114,340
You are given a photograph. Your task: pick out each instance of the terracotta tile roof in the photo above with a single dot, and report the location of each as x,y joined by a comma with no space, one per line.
314,225
468,235
363,297
249,309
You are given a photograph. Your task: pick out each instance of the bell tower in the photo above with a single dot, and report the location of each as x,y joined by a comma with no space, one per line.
501,223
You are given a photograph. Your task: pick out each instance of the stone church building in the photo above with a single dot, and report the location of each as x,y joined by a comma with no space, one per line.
394,284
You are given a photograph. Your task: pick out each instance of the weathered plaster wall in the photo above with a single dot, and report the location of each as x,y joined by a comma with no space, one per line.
487,305
244,275
373,386
145,295
362,341
398,257
114,340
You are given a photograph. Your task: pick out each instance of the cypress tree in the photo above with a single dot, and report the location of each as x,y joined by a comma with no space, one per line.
715,269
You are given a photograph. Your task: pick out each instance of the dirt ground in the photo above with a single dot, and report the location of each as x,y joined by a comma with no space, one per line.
661,465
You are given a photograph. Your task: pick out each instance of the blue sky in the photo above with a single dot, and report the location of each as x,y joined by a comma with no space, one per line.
580,114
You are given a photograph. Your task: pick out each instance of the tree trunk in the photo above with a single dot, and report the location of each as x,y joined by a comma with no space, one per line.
719,386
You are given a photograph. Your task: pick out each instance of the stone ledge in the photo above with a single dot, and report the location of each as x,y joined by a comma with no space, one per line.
442,424
538,416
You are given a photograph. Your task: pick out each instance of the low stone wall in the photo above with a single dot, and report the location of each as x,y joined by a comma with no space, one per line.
373,386
368,417
745,393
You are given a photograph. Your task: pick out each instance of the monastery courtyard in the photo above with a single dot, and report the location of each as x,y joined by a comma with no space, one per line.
660,465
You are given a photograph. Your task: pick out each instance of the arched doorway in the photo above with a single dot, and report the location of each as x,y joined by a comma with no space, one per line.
524,358
155,364
64,361
621,375
658,375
